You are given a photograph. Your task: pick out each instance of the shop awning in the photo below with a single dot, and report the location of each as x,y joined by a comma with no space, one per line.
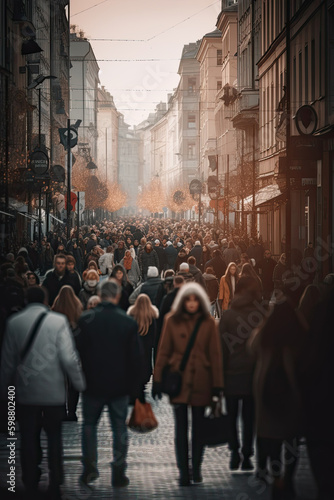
264,195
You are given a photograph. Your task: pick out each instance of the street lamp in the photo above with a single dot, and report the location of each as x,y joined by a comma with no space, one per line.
35,83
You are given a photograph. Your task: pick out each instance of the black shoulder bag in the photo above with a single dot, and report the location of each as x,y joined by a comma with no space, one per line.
32,336
171,381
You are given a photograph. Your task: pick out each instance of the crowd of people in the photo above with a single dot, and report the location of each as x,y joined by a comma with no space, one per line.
107,310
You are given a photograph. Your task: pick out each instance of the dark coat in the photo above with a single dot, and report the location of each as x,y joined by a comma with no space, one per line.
181,257
198,277
165,307
197,252
266,269
235,328
171,254
162,258
53,284
110,351
154,288
119,254
147,259
148,342
218,265
212,286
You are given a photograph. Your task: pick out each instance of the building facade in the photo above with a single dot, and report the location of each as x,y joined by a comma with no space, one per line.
107,141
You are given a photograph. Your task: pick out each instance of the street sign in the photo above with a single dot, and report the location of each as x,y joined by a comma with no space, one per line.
195,187
38,161
63,134
74,199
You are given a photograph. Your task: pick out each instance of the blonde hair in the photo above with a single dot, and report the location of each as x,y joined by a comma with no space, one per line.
68,304
144,313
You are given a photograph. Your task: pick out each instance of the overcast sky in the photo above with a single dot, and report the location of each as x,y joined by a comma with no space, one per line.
150,70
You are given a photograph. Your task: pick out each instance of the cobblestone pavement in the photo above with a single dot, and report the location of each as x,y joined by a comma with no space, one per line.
152,468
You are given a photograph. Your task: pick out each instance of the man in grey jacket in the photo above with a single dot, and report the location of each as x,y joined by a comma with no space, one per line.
38,381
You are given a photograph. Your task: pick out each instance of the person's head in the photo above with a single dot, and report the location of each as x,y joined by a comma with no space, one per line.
10,257
32,279
282,259
190,300
231,244
143,312
184,267
244,258
109,249
92,265
178,281
67,303
70,263
109,291
93,301
92,278
127,254
231,269
120,244
169,273
37,295
60,249
191,260
135,243
60,264
248,270
152,272
267,254
210,270
119,274
148,247
20,265
48,245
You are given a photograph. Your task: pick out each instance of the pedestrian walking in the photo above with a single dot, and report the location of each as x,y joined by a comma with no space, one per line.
119,274
131,267
110,350
203,375
58,277
39,372
146,315
227,286
235,328
67,303
89,287
266,271
278,347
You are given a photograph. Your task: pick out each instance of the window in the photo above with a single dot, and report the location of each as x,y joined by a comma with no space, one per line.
191,121
219,57
191,151
219,85
191,85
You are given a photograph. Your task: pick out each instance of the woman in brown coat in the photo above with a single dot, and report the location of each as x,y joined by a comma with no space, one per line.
202,378
227,286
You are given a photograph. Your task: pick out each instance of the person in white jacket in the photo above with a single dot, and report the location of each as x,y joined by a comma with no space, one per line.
106,261
38,383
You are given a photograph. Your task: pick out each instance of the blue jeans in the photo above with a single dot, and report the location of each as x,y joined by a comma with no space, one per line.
92,409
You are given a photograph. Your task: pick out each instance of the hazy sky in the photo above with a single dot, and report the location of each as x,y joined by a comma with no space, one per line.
160,30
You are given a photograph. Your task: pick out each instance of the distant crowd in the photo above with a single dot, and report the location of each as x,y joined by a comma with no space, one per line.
124,299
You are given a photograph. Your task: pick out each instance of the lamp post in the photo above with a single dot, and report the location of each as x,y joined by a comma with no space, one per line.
35,83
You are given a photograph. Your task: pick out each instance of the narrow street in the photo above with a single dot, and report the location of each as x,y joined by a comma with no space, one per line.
152,469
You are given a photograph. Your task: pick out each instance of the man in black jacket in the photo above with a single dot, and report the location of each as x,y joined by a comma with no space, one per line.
111,355
58,277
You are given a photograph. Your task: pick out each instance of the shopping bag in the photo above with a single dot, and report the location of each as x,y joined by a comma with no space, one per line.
215,430
142,418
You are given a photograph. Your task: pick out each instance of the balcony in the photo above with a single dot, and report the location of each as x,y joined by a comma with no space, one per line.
246,109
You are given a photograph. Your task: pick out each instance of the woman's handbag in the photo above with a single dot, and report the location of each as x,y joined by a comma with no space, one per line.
142,418
215,430
171,381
